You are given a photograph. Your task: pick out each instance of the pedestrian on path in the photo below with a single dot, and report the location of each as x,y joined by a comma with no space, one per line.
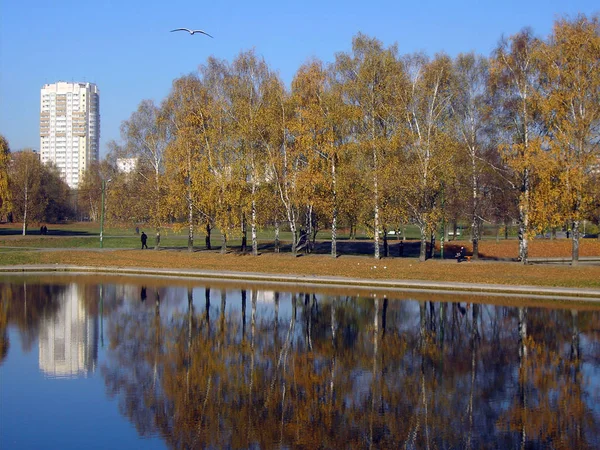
144,238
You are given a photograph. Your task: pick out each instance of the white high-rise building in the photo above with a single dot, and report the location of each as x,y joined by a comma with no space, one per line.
70,128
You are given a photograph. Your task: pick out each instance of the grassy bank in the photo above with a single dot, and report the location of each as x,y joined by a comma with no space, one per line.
78,244
494,272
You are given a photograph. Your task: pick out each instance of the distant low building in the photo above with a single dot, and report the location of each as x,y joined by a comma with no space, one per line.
126,165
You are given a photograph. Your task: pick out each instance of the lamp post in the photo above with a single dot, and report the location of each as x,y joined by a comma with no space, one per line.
102,213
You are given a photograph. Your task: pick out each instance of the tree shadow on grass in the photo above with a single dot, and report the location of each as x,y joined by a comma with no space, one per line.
36,232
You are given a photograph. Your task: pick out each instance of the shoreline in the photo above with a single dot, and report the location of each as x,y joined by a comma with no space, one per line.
387,285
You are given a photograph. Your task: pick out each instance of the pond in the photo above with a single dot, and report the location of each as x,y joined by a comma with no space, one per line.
116,362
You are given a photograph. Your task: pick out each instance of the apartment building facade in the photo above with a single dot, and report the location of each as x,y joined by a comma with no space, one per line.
70,128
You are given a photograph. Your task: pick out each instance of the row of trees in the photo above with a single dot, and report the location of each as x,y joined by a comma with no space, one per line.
30,191
375,139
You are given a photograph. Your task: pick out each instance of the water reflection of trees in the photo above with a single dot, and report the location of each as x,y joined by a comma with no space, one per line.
340,371
24,305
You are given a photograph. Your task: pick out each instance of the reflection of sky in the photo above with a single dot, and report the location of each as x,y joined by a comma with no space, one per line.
38,412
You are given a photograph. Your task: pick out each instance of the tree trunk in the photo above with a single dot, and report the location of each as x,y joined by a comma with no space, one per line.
223,243
190,222
575,241
423,250
190,203
277,243
254,219
207,238
386,249
157,206
26,205
475,226
309,228
474,206
334,215
157,246
294,238
432,246
244,234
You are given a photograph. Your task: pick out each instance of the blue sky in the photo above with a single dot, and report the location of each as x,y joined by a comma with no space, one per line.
125,47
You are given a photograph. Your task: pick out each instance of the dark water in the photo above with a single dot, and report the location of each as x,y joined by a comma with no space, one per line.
130,363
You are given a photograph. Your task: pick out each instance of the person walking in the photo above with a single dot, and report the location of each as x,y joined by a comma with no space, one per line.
144,238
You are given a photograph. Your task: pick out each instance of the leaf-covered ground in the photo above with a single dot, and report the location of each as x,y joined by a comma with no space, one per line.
495,272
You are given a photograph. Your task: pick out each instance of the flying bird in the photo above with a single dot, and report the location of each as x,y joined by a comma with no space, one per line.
191,31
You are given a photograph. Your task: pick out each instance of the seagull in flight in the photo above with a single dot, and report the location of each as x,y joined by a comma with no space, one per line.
192,31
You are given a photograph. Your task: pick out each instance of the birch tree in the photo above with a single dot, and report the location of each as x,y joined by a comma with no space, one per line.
368,76
145,135
571,104
317,128
249,77
25,181
5,198
470,106
431,147
513,81
186,114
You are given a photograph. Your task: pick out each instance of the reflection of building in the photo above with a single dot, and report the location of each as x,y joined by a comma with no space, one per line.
69,338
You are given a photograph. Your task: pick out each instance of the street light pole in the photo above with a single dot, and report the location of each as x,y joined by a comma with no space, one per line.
102,215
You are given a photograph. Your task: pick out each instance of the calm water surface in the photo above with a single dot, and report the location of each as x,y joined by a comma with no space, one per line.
130,363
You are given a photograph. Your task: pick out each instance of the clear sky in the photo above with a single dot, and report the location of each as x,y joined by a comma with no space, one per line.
125,47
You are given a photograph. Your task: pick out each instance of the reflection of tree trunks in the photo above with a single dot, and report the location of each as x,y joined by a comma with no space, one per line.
252,340
276,319
102,315
244,293
156,340
422,316
522,332
384,316
442,326
308,313
432,318
374,373
575,335
334,327
190,295
523,372
474,345
223,304
424,404
282,360
207,309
